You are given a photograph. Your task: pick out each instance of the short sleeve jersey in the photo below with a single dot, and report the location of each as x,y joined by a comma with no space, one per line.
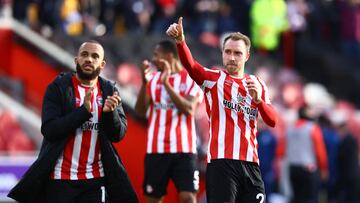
169,130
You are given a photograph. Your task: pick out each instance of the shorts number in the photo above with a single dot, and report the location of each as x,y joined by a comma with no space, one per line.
261,197
102,194
196,180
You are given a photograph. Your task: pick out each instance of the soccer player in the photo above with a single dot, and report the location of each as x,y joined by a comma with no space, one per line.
234,100
82,115
170,96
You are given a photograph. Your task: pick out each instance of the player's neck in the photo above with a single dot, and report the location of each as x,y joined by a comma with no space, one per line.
239,74
89,83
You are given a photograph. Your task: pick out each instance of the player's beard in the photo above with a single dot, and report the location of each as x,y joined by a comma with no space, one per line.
231,68
87,76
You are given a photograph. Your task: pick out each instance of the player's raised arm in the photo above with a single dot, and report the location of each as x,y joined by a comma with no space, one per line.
195,70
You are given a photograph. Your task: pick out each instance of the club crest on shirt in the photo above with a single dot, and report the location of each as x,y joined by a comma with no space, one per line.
99,100
182,87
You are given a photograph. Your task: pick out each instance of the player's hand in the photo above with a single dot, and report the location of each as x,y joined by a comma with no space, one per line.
176,31
87,99
166,70
146,71
254,89
112,102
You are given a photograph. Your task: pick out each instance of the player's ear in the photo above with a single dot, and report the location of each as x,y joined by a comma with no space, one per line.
75,60
247,56
103,63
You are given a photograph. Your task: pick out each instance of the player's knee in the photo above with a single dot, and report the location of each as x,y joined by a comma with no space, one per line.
187,197
153,200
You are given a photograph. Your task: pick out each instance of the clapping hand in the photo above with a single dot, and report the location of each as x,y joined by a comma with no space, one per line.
87,99
112,102
166,70
147,71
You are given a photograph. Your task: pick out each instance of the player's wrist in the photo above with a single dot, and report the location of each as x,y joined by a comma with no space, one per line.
179,39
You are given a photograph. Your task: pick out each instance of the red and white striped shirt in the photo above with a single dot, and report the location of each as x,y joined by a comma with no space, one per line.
81,158
233,116
232,112
169,130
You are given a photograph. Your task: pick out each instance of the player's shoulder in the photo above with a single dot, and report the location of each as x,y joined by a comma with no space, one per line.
214,69
213,73
62,78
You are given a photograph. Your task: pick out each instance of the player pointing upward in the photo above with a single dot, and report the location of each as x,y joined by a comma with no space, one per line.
234,101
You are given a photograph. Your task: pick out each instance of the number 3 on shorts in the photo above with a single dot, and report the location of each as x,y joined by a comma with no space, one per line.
261,197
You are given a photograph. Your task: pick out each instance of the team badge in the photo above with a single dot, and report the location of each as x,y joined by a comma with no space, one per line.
182,87
99,100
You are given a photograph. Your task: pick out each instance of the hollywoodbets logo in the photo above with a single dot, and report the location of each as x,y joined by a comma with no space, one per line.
164,106
240,107
89,125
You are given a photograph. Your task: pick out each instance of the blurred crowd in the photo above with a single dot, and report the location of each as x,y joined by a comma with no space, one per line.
276,28
339,122
333,22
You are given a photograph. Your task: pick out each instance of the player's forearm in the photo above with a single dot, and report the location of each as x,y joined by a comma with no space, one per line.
55,125
182,104
186,57
141,105
268,114
196,71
